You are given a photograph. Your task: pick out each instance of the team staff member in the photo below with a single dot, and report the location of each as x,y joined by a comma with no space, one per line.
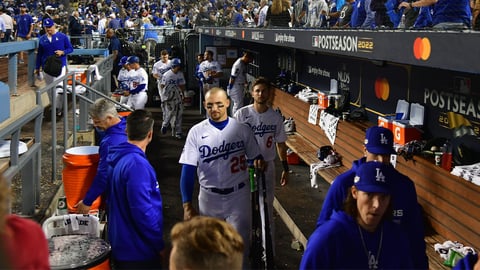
362,236
53,43
172,87
209,72
238,81
217,150
138,78
406,210
267,125
135,215
105,118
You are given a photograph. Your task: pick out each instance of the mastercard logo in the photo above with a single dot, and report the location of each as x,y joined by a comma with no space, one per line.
422,48
382,88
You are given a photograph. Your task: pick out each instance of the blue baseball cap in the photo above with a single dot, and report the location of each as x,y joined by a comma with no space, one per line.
375,177
48,22
123,60
133,59
379,141
176,62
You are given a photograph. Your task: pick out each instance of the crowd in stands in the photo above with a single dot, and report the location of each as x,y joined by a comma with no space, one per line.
87,17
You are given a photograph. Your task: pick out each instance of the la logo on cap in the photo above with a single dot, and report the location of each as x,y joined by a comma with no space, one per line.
379,177
383,139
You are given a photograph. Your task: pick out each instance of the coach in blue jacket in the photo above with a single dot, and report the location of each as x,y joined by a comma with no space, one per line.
135,214
53,43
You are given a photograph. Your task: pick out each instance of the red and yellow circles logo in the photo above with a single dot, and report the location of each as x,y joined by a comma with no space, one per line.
422,48
382,88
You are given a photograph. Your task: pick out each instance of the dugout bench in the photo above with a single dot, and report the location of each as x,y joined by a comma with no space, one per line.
450,204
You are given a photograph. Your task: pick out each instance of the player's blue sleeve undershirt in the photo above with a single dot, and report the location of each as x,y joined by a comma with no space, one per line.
187,182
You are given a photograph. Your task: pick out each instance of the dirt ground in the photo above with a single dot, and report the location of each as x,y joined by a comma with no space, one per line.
301,201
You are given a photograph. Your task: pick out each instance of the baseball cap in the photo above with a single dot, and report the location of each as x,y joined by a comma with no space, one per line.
23,5
375,177
176,62
133,59
48,22
49,7
379,140
123,60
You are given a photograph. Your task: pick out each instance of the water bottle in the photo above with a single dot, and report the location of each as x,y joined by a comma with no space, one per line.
402,22
447,156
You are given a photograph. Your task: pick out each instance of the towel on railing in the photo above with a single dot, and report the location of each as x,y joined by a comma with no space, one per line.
98,77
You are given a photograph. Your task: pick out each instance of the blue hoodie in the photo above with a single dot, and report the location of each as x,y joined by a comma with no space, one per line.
113,135
337,244
135,214
406,210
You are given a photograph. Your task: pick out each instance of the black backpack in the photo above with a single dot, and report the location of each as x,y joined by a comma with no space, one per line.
53,66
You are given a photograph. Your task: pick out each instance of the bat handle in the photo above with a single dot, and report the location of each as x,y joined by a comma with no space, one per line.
251,174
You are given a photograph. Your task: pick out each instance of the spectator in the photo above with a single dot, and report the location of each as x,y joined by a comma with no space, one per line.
8,24
105,119
362,235
278,14
382,20
210,71
262,13
24,24
58,44
172,88
358,14
102,24
267,125
317,9
238,81
138,79
224,193
135,215
205,243
410,16
475,5
406,210
114,22
344,15
369,22
3,28
75,28
447,14
20,236
300,9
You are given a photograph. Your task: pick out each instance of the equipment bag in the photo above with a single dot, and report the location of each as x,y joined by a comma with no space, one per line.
53,66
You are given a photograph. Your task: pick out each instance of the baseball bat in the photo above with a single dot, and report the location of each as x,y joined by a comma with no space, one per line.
269,261
256,247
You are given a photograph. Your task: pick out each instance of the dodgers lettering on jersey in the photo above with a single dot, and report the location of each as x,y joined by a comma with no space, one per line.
261,129
209,153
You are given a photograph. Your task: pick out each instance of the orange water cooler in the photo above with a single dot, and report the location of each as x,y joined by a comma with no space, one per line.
80,168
